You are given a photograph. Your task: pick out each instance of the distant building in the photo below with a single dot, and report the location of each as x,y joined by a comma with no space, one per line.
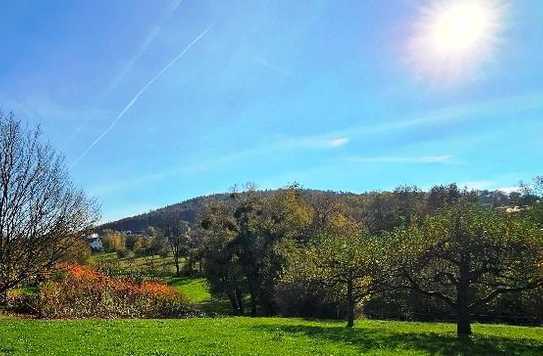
513,209
95,242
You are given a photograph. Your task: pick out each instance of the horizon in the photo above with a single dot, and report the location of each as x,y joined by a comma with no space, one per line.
504,190
155,103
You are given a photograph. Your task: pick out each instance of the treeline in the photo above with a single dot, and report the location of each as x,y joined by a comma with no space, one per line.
192,209
406,254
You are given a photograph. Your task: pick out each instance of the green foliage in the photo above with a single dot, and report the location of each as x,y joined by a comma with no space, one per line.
467,255
259,336
346,263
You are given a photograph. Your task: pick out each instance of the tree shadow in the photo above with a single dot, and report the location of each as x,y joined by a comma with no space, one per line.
379,339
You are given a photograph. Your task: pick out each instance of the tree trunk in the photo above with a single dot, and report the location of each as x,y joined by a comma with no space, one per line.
239,298
463,324
191,265
253,303
463,297
3,296
233,303
177,270
350,304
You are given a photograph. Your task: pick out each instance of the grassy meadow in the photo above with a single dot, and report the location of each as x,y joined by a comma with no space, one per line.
228,335
259,336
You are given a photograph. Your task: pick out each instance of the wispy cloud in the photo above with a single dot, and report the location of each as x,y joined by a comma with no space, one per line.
478,184
339,141
273,67
508,190
138,94
403,159
488,185
468,112
308,142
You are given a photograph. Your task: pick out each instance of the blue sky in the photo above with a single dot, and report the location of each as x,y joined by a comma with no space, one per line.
153,102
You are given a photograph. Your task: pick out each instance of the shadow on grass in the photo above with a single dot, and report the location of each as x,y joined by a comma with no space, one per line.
380,339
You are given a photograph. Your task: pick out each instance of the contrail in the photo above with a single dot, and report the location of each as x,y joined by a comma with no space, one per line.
138,94
149,39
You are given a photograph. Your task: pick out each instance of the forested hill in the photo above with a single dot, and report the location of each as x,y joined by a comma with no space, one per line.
189,210
387,203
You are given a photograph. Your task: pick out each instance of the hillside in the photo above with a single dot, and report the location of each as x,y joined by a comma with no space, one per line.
190,210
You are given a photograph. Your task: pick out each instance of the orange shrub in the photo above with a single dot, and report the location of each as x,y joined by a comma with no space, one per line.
82,292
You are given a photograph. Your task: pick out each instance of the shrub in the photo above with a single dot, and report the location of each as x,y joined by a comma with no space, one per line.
21,300
78,252
82,292
124,253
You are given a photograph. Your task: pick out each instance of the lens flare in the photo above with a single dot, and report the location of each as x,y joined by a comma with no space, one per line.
452,39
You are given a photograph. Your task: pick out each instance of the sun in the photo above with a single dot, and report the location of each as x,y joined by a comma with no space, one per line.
452,38
460,28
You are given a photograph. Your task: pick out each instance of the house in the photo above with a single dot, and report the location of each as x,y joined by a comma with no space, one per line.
95,242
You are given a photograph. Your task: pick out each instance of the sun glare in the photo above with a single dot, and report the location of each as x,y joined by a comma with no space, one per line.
454,37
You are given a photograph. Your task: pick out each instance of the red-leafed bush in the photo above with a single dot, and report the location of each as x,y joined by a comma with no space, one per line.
82,292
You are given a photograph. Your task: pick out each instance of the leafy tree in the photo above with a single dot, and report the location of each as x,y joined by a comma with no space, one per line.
222,268
252,227
113,241
41,213
345,262
467,255
157,243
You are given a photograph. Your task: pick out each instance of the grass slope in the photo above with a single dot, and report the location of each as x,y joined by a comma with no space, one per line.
258,336
194,288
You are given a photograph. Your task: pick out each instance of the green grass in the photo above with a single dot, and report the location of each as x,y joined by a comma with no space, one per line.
193,287
258,336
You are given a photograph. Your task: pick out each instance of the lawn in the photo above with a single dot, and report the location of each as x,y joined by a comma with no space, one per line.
258,336
193,287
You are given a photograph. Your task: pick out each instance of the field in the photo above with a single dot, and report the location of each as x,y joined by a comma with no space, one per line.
262,336
243,335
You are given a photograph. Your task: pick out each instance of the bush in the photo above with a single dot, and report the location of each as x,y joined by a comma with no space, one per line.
82,292
78,252
21,300
124,253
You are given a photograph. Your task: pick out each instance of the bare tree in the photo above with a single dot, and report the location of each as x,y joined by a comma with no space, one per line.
41,212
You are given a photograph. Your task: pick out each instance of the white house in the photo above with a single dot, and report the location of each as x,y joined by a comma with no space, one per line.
95,242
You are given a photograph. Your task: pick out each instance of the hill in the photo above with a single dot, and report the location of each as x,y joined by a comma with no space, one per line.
191,209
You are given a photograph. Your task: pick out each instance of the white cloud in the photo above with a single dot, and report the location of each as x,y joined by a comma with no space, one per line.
478,184
339,141
403,159
488,185
508,190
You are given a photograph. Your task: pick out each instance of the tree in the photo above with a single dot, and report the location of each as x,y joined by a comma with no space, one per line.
113,241
178,236
244,236
158,242
41,212
467,255
222,268
345,262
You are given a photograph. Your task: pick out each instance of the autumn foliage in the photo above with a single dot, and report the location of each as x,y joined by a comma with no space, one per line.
83,292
